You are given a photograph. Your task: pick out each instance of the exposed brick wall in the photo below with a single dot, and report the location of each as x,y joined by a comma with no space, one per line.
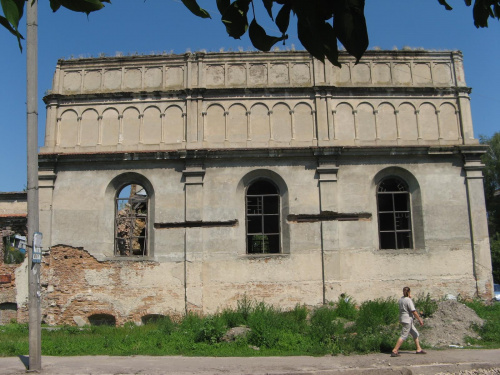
75,284
8,282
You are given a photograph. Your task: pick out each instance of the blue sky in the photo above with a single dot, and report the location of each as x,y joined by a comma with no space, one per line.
155,26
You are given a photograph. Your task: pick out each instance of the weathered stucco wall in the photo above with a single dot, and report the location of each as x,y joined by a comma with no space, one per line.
206,269
13,292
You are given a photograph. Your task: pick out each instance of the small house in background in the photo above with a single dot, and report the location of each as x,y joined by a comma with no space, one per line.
178,183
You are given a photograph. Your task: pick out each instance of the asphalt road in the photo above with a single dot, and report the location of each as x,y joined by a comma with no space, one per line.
436,361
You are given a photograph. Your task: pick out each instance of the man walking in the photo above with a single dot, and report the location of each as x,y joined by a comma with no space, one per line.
406,313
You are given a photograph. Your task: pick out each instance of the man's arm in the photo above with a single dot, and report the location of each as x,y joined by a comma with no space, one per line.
420,320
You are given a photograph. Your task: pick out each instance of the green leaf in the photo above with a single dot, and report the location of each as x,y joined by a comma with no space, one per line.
283,18
235,18
327,8
309,26
330,44
222,5
13,11
268,4
83,6
260,39
349,25
193,6
55,5
308,38
481,12
468,2
446,5
8,26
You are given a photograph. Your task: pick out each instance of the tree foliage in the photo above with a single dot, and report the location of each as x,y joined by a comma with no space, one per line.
491,173
13,11
321,24
495,257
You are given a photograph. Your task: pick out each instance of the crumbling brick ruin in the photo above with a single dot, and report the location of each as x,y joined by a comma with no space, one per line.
76,286
12,222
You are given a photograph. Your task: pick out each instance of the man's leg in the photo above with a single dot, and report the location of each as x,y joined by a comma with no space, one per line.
398,344
417,343
404,334
414,333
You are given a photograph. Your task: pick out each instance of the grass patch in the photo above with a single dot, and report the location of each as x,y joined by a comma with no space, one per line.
335,328
490,331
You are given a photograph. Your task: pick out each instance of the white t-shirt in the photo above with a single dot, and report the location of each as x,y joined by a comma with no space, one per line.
406,309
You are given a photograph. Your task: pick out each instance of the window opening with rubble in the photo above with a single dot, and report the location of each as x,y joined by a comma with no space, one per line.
131,221
394,214
263,218
14,249
102,320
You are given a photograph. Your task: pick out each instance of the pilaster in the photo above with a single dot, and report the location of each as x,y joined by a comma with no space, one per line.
46,181
51,124
321,119
467,131
328,192
193,175
481,255
327,172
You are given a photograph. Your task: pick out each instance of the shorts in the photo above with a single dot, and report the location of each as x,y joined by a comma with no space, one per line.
409,328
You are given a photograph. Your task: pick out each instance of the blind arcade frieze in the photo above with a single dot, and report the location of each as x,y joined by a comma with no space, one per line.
248,100
281,69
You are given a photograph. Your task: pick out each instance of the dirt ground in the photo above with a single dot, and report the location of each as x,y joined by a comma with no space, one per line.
443,362
450,325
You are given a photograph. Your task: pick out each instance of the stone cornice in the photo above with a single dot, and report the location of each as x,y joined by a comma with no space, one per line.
258,92
274,153
13,196
343,56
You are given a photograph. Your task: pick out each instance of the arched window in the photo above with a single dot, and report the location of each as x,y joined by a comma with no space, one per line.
131,221
102,320
394,214
263,218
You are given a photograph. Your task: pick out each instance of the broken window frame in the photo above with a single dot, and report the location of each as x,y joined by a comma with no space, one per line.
125,244
395,230
270,233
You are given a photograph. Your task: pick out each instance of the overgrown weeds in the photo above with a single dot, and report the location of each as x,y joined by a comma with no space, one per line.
338,327
425,305
490,331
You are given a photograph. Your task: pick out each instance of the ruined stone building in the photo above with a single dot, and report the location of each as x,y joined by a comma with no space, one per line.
13,210
182,183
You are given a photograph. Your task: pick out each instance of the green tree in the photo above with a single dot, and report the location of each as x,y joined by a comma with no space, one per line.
495,256
320,23
491,173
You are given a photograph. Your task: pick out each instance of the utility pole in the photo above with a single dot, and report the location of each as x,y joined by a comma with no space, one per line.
35,342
